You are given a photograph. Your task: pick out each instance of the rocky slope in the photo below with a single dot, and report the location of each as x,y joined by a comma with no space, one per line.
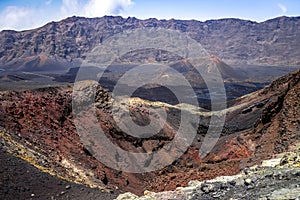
273,42
275,132
38,126
21,180
276,179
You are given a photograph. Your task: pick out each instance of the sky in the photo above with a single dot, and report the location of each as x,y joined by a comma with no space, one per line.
28,14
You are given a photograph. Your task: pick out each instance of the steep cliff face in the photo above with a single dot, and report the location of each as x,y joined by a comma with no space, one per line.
273,42
279,124
274,112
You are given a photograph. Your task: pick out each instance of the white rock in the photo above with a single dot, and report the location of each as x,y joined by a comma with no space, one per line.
127,196
248,181
271,162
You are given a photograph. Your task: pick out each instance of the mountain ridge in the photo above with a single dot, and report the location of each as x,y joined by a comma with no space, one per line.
272,42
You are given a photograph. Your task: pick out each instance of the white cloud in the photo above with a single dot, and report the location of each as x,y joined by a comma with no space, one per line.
69,8
282,7
15,17
48,2
20,18
94,8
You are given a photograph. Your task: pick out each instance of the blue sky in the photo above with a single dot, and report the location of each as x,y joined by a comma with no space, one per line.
27,14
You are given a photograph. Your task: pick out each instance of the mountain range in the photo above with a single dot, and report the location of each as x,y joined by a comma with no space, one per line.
39,111
274,42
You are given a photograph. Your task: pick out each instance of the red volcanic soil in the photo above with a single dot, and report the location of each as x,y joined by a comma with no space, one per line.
42,120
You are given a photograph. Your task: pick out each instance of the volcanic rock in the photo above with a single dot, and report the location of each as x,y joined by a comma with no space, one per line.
233,40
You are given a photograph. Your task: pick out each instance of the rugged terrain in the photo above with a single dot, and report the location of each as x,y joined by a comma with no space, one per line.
237,42
275,179
38,126
21,180
249,55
